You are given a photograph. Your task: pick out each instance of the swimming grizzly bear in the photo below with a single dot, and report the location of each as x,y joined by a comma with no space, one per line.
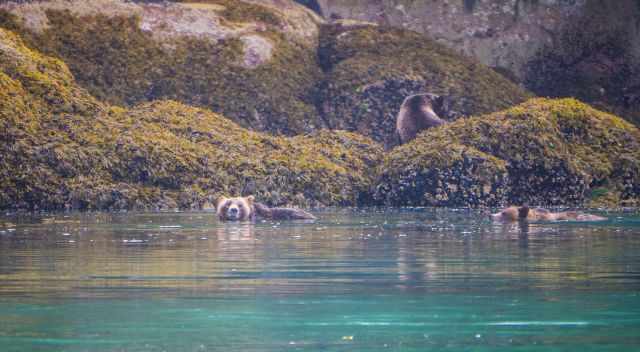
418,113
245,208
514,213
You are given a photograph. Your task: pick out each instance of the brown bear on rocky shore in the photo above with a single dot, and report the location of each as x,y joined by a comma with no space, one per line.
514,213
245,208
418,113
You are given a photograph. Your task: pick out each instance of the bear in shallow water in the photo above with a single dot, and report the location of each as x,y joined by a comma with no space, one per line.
514,213
418,113
245,208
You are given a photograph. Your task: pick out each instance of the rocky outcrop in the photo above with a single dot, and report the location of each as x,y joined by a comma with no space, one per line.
588,49
60,148
504,33
370,70
252,61
543,152
255,62
108,132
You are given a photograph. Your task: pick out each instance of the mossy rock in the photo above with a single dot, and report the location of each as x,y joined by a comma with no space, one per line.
593,60
542,152
371,69
63,149
252,71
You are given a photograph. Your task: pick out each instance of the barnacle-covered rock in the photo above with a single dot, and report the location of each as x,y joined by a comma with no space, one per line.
546,152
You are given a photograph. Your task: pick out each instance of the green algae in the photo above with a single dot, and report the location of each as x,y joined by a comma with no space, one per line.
547,152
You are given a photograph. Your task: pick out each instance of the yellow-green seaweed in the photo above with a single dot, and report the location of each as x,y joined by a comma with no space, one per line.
542,152
62,149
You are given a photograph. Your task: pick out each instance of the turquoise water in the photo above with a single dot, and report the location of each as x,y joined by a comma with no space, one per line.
374,280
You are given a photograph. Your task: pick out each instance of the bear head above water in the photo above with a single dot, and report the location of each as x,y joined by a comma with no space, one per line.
245,208
235,209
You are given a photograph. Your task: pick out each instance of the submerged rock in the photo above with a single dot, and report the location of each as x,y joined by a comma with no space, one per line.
61,148
545,152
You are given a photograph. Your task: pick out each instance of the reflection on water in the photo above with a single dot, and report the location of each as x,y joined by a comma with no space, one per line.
352,280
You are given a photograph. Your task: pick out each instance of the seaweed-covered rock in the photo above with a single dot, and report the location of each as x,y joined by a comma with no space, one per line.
458,175
61,148
371,69
546,152
252,62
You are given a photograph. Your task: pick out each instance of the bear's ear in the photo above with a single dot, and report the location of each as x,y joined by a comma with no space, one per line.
250,199
523,212
220,200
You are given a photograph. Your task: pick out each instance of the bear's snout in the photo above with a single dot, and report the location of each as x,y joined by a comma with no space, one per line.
233,212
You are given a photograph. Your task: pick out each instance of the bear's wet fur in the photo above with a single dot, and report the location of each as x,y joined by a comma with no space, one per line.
282,213
524,213
245,208
418,113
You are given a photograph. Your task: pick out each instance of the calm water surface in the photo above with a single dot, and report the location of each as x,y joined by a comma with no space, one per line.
375,280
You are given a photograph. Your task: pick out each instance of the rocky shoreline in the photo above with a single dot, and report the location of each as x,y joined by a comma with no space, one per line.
171,121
